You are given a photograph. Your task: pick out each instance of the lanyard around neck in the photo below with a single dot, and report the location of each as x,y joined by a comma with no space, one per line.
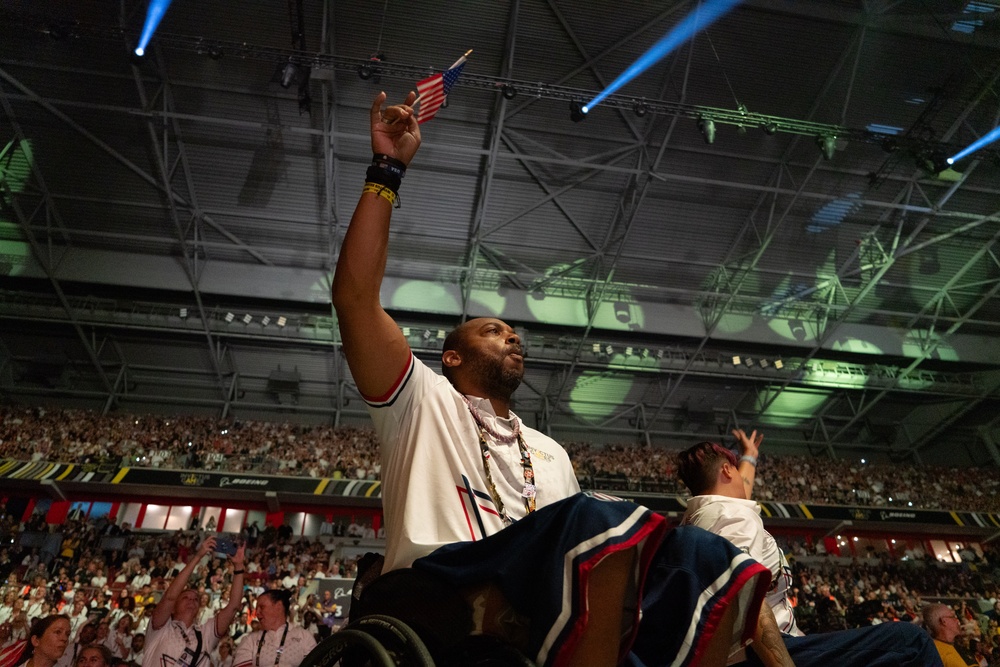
277,653
196,656
528,493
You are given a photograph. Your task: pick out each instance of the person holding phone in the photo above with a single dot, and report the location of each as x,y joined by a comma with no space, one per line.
174,639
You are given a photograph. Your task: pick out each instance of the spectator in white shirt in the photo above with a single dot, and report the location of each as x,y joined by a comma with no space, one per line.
141,579
100,579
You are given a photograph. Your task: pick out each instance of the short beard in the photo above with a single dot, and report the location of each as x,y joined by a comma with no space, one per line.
495,379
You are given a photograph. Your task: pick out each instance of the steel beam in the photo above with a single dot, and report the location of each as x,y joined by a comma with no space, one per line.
495,134
43,258
898,248
160,152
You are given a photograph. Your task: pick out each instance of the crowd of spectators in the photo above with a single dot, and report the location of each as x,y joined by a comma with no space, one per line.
798,479
204,443
109,595
832,594
83,436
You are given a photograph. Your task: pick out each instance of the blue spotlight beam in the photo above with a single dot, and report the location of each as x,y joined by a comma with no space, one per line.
157,8
693,23
985,140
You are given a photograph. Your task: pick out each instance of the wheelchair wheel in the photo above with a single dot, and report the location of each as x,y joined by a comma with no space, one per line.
349,647
484,651
399,639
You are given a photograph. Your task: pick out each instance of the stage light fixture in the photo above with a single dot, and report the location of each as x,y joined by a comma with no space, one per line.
628,351
736,360
406,332
441,333
707,128
135,57
596,347
370,70
230,317
577,112
770,128
640,109
508,91
890,145
934,162
289,74
779,364
265,320
247,319
797,328
183,313
764,363
154,14
622,312
827,144
609,350
748,361
427,334
282,321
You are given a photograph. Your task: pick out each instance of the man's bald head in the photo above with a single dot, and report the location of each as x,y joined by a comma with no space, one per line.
942,622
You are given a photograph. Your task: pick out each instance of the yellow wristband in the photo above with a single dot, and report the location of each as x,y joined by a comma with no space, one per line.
383,192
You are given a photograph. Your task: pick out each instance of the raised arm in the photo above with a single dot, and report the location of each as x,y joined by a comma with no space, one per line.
749,449
165,607
225,617
375,349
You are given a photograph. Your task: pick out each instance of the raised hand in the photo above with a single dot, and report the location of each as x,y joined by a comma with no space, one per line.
395,131
207,546
749,444
238,557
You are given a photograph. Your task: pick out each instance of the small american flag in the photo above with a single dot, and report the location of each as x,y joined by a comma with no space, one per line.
434,89
11,655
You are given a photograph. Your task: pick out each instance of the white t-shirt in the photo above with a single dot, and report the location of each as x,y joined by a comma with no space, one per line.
738,521
119,644
69,656
34,609
251,652
166,647
78,619
434,489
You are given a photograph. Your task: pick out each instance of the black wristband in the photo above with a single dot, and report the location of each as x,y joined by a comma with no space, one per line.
235,572
389,163
383,177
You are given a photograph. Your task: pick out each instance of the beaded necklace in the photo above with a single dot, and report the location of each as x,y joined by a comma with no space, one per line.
528,492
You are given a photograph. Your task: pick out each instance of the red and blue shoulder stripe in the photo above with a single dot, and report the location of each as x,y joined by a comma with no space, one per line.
388,398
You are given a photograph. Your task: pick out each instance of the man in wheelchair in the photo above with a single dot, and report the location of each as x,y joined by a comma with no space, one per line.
479,500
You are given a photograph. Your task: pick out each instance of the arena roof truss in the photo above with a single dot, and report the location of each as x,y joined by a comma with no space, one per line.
169,225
